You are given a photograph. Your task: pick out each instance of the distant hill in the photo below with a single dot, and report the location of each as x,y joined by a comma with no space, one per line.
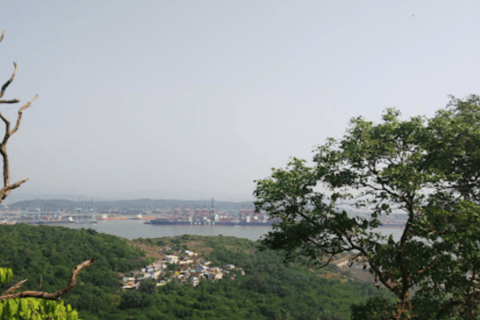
139,204
17,197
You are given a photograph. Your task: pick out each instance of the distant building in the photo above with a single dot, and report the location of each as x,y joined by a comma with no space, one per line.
171,258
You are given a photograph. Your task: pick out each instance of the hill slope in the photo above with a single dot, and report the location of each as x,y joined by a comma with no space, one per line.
269,290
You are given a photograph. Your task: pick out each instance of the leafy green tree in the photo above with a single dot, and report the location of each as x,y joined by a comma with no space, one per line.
147,286
426,168
134,299
173,266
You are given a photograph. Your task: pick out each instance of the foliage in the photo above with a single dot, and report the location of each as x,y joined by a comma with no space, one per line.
32,308
269,290
45,255
374,309
426,168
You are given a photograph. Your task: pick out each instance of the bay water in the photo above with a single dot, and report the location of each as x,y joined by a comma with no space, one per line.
132,229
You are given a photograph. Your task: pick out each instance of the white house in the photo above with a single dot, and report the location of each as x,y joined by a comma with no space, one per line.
171,258
194,281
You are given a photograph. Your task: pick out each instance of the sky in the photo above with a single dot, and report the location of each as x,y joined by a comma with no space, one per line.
197,99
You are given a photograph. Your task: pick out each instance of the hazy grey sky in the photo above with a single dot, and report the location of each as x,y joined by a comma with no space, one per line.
194,99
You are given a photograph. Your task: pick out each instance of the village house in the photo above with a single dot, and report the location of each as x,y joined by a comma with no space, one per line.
131,285
171,259
186,261
191,253
190,270
159,265
195,281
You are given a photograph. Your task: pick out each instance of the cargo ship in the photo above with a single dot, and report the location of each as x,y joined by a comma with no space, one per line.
225,223
212,217
169,222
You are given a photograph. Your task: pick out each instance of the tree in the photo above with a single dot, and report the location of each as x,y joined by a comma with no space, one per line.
26,308
426,168
7,187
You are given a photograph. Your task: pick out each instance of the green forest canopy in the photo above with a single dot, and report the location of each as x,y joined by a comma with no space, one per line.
269,290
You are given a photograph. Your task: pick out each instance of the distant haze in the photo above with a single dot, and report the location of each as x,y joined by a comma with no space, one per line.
196,99
136,205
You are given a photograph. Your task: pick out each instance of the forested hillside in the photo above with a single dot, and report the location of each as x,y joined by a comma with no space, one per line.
269,290
46,255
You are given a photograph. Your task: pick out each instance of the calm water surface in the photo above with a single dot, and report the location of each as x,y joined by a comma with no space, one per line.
137,229
133,229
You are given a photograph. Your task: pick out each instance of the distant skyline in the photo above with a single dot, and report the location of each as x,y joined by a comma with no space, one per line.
196,99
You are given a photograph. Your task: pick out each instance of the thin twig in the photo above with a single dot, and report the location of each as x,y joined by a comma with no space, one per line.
4,87
20,112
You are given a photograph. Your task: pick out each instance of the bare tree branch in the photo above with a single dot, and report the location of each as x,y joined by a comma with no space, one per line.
5,191
13,288
7,123
45,295
10,101
7,187
20,113
5,86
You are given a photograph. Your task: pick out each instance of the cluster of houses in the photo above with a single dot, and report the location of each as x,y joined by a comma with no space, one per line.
182,267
